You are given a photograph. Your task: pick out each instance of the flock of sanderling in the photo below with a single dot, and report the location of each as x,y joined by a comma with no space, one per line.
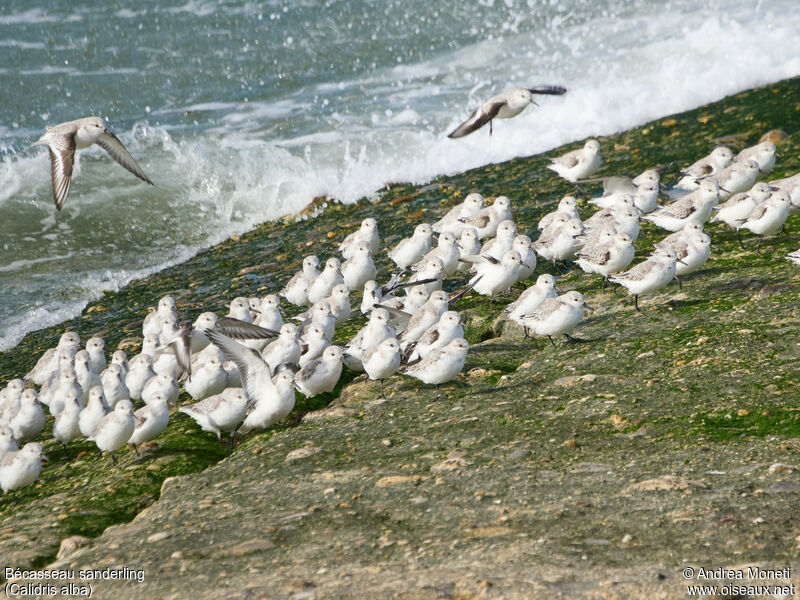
243,369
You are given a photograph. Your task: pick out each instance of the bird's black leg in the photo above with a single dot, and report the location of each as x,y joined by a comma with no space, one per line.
135,449
490,127
381,396
551,341
605,279
636,302
758,246
739,237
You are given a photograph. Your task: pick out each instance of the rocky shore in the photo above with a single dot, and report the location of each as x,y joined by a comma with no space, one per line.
659,441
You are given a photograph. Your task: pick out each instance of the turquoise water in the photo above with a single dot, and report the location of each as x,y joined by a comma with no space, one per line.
241,111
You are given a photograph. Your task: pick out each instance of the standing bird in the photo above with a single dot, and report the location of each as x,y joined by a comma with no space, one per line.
650,275
62,141
503,106
578,164
441,365
556,316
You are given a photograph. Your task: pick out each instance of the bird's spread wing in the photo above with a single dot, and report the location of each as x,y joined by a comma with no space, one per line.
242,330
552,90
111,144
478,119
248,361
62,157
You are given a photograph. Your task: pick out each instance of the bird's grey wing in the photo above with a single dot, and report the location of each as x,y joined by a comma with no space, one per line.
477,119
62,157
181,348
430,337
756,213
597,255
247,360
242,330
679,209
111,144
552,90
547,308
307,372
569,160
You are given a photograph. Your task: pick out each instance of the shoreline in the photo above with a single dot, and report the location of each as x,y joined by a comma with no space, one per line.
583,445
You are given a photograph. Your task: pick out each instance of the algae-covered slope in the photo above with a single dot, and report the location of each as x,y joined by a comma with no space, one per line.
642,447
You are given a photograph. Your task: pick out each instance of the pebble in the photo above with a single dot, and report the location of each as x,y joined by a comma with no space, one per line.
304,452
157,537
398,480
71,544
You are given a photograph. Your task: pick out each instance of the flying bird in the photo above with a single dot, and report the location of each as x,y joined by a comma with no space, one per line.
62,141
503,106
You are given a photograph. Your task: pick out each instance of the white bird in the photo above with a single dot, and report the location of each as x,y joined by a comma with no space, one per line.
559,242
764,154
737,177
606,259
532,298
285,349
150,420
567,206
740,205
8,443
221,413
470,244
489,218
438,335
428,314
208,380
708,166
320,315
441,365
198,340
367,233
119,358
523,246
494,276
693,250
768,217
165,311
447,250
22,467
139,373
48,363
320,375
273,404
556,316
502,242
330,277
67,387
429,274
62,141
66,427
115,429
114,385
86,377
95,346
296,290
269,313
696,207
29,420
164,384
359,268
374,332
502,106
578,164
313,344
382,360
452,220
409,251
792,256
650,275
96,408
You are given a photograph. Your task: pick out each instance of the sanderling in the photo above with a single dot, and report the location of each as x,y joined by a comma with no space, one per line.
273,404
523,246
285,349
737,177
740,205
470,244
114,385
374,332
693,251
312,345
768,217
486,220
320,375
163,384
95,346
409,251
441,365
494,276
708,166
502,242
22,467
29,420
96,409
606,259
67,386
66,427
209,380
764,154
532,298
139,373
447,250
367,233
438,335
559,242
115,429
792,256
296,290
86,377
567,206
320,315
62,141
503,106
556,316
452,220
578,164
650,275
8,443
382,360
221,413
696,207
359,268
48,363
427,315
329,278
269,313
150,421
